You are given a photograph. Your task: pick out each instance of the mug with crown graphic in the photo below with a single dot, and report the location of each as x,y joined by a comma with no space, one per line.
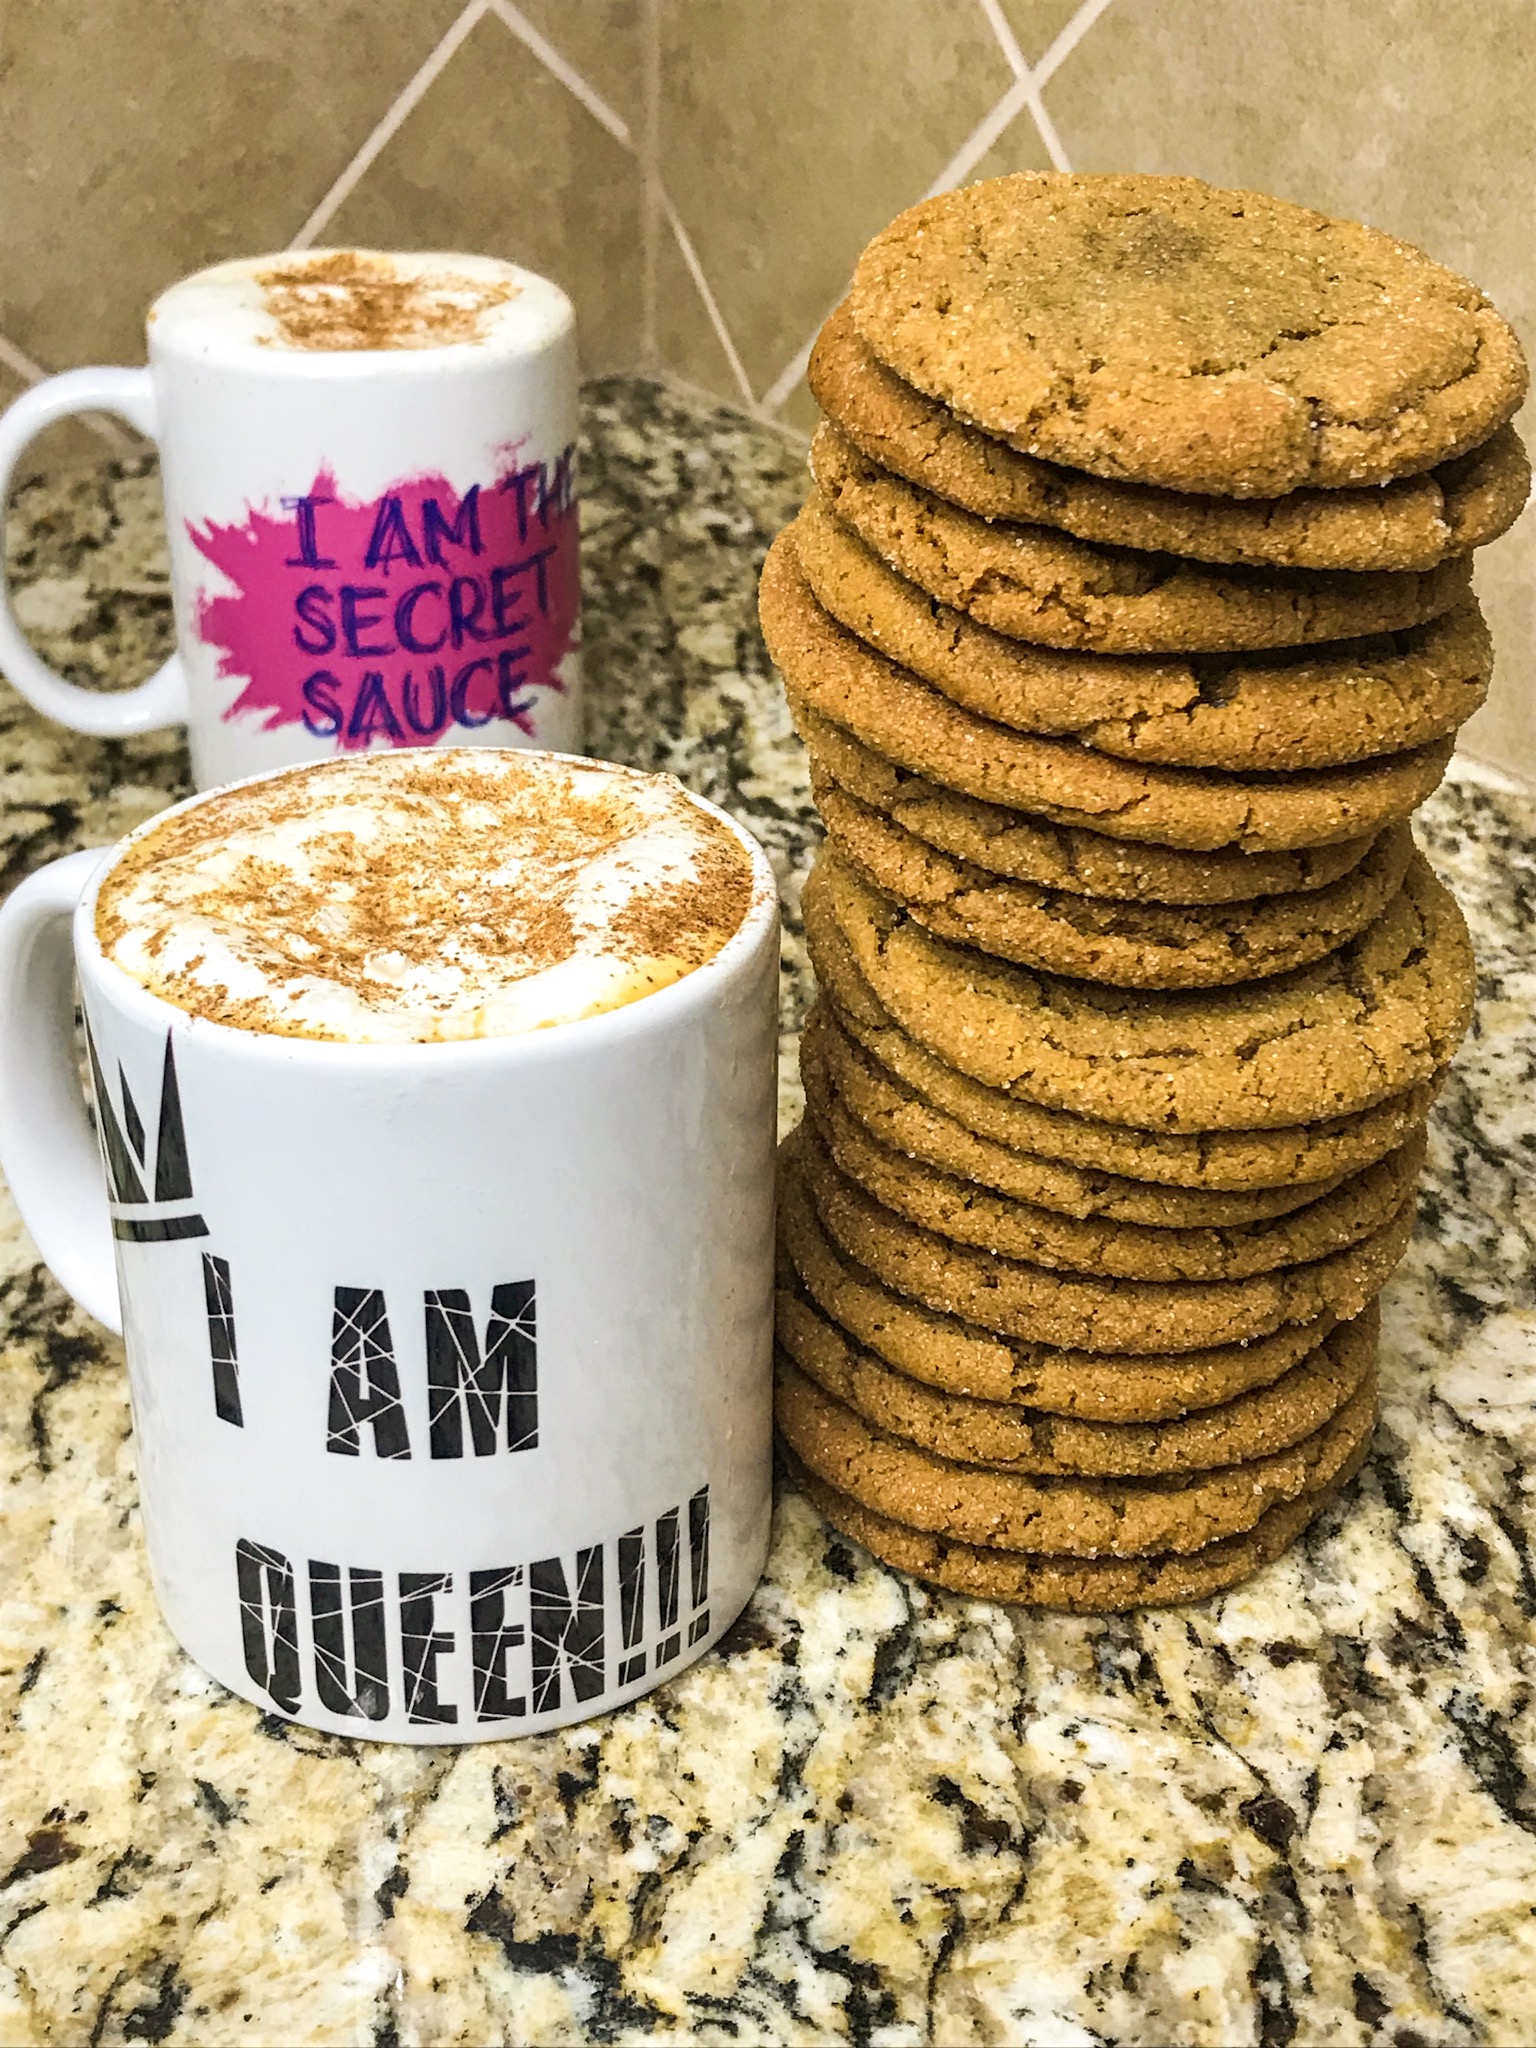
369,469
449,1362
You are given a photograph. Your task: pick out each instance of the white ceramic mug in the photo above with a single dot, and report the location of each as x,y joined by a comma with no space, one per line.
370,546
449,1362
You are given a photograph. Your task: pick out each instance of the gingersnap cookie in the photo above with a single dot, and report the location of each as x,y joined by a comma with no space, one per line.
1041,585
1081,1311
971,1432
1413,522
971,1213
833,673
1073,1517
961,1358
1031,849
1127,945
900,1120
1297,707
1285,1157
1163,331
1380,1015
1101,1585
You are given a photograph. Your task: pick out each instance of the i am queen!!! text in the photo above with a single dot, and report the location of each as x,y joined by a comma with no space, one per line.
518,1638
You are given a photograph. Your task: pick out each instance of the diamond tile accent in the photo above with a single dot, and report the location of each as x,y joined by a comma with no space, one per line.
701,176
140,142
498,156
779,145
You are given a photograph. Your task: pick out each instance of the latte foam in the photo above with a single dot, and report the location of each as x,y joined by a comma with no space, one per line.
330,301
442,893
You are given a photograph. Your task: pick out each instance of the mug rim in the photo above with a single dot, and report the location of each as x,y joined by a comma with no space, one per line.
660,1006
249,353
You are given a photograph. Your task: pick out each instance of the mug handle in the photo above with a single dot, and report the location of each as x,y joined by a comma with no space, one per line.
107,714
48,1151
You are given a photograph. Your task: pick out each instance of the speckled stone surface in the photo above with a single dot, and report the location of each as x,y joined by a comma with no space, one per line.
1303,1812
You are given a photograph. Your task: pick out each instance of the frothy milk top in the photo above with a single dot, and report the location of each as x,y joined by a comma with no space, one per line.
332,301
430,894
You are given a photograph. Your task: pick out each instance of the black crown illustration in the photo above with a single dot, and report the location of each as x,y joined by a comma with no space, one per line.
123,1148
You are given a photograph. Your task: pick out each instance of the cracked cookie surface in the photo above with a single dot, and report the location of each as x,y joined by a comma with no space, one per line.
1038,584
1031,848
1102,1585
1165,331
894,713
1127,945
944,1351
1084,1312
1075,1517
1382,1014
971,1432
970,1212
1413,522
1280,1156
1281,710
899,1117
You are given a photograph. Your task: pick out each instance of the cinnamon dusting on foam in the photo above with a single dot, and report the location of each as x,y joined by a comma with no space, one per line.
435,894
354,299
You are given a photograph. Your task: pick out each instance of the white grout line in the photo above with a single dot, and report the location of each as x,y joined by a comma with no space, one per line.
1503,781
106,428
1046,129
1007,41
1049,64
701,283
977,143
650,183
983,135
1024,92
1069,39
783,386
567,73
99,423
513,19
655,198
797,437
24,367
393,120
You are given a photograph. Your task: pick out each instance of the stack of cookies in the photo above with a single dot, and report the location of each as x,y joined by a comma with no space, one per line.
1129,619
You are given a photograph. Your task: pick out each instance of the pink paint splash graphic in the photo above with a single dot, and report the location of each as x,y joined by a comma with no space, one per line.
414,617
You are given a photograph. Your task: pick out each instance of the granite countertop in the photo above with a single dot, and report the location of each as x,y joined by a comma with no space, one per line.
1303,1811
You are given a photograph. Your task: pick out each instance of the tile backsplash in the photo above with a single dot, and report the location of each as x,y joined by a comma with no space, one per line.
700,174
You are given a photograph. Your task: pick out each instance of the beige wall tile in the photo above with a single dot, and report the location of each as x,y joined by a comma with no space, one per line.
499,157
687,345
66,444
1504,731
1398,114
141,139
601,39
1018,148
1037,23
791,130
1391,113
11,387
800,412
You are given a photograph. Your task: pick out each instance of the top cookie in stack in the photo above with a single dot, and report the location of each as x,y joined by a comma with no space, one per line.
1146,509
1159,332
1127,623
